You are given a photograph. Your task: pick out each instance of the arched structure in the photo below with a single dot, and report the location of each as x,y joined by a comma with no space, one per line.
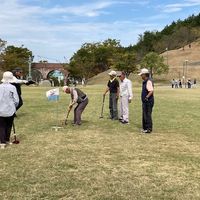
46,68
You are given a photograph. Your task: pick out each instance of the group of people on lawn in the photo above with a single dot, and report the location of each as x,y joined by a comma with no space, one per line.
11,101
118,90
179,83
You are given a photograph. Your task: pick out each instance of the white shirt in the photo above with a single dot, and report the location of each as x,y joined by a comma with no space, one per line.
8,100
126,88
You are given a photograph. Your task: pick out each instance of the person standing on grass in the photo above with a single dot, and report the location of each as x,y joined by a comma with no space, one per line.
173,83
77,97
195,83
18,73
126,96
176,83
147,98
9,100
180,83
113,88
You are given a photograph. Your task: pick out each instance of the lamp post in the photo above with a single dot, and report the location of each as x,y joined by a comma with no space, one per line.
186,68
29,68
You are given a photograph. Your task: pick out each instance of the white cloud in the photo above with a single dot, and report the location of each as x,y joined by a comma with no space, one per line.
175,7
32,26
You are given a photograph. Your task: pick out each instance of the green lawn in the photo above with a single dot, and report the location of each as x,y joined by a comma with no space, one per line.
102,159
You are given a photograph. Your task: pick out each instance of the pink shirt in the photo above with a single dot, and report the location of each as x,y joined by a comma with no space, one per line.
149,86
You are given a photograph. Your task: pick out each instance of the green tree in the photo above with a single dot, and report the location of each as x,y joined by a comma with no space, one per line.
127,62
93,58
13,57
2,47
155,63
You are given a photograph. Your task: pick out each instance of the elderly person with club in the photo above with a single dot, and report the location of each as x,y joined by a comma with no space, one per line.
8,102
77,97
126,96
113,88
147,101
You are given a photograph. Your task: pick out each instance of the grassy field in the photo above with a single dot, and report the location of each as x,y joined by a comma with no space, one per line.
102,159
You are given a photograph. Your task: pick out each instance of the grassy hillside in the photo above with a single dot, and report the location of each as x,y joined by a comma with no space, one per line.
176,59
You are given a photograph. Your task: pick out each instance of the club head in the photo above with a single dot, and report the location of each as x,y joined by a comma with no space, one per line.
16,142
101,117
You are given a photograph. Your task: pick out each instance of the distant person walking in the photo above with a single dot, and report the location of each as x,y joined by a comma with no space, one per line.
8,102
77,97
189,83
113,88
147,98
195,83
173,83
126,96
176,84
180,83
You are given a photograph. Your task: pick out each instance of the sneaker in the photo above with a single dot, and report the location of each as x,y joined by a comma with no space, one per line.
146,131
9,143
75,124
2,146
124,122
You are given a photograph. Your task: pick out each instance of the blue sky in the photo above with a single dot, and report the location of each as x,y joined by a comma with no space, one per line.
55,29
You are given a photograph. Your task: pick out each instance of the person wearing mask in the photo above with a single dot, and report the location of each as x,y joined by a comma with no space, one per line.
113,88
77,97
9,100
126,96
147,98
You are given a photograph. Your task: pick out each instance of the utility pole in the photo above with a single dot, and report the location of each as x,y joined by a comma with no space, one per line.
29,68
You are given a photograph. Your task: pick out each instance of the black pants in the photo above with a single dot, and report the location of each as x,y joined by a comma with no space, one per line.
5,128
20,103
113,106
147,109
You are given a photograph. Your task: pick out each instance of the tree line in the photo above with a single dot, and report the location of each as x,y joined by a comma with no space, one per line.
93,58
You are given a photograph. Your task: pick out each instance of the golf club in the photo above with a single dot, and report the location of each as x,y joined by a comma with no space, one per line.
101,116
15,136
69,110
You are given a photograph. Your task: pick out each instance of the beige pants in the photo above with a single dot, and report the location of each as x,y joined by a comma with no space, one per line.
124,108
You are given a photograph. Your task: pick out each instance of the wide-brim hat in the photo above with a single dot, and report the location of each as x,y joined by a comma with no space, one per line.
143,71
8,77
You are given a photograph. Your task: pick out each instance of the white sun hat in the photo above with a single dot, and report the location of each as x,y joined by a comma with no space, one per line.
8,77
112,73
143,71
65,88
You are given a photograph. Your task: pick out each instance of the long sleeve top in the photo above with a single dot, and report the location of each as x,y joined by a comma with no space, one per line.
126,88
8,100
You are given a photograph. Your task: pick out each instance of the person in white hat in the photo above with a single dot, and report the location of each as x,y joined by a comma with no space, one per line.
77,97
126,95
8,102
147,101
113,88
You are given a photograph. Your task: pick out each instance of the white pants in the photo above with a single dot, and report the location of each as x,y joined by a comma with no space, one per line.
124,108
